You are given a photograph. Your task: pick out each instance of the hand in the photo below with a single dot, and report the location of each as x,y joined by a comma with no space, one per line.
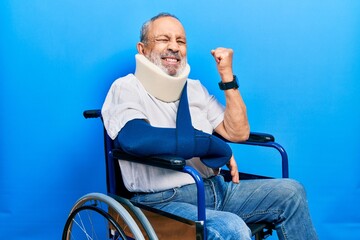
232,165
223,58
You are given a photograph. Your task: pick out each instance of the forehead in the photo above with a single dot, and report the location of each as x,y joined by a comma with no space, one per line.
166,26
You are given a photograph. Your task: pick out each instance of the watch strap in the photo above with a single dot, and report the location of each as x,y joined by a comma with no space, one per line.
229,85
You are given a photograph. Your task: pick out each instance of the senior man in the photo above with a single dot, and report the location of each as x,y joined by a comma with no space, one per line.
144,105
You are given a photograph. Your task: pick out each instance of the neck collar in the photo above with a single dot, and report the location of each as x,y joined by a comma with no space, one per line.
157,83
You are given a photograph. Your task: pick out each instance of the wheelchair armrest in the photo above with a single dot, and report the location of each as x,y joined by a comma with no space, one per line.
261,137
254,137
169,162
265,140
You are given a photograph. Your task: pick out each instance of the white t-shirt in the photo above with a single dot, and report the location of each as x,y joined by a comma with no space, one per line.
127,100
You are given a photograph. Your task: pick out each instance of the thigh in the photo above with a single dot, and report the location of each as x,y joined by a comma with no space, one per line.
260,200
184,194
219,225
182,202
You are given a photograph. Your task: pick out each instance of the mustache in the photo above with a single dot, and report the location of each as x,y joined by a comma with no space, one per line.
171,54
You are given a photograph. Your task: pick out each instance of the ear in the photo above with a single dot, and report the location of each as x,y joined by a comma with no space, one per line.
141,48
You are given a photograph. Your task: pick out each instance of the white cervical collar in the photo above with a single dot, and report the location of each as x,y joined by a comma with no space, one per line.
157,83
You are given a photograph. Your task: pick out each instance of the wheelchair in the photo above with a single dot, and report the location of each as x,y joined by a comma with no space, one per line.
114,216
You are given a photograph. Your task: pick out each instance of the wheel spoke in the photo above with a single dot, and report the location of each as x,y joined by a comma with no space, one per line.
94,217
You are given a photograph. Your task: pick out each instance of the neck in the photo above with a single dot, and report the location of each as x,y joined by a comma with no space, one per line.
157,83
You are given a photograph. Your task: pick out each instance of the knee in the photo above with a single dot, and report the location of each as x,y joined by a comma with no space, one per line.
227,226
293,193
294,188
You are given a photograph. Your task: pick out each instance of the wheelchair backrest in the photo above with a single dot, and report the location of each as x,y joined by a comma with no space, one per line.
114,181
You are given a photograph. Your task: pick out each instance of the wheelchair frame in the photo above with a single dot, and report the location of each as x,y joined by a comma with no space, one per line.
117,196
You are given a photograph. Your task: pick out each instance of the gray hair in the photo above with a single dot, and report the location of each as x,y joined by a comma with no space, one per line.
145,27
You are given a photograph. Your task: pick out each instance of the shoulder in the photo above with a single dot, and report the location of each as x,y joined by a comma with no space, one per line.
194,83
196,88
127,83
126,88
125,80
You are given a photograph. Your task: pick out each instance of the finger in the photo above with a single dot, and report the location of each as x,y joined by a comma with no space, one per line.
235,176
232,165
215,55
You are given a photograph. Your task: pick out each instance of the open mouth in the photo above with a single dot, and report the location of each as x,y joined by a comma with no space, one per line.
171,60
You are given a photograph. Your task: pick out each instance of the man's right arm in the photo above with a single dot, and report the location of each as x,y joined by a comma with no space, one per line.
141,139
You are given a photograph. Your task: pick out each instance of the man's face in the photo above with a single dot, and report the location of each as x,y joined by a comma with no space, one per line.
166,45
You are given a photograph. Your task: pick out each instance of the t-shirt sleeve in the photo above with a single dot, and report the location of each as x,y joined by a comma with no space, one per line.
212,109
122,104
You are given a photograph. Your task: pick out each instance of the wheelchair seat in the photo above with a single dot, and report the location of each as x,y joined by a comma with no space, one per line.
128,220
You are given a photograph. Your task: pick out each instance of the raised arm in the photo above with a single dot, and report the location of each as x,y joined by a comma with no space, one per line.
235,126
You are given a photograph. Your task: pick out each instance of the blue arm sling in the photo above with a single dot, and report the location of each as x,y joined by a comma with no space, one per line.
141,139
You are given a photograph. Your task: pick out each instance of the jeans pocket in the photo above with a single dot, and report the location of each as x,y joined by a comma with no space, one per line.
152,199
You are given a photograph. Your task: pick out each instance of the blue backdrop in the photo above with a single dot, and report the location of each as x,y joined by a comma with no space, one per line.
298,63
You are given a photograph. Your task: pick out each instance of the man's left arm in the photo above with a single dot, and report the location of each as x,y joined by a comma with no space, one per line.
235,126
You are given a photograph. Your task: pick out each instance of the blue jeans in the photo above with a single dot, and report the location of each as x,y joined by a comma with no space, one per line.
230,206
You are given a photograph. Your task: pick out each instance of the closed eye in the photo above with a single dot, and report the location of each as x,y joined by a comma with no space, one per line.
181,42
162,40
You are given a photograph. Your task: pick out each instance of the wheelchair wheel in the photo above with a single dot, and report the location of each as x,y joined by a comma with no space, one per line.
95,216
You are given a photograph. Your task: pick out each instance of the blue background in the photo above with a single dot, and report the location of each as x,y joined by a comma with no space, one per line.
298,63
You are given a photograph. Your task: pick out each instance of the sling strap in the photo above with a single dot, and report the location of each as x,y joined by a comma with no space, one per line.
185,141
190,142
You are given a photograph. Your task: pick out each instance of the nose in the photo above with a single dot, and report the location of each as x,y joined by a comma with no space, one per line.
173,45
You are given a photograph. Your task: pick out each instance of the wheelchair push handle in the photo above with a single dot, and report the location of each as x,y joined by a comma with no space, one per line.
92,113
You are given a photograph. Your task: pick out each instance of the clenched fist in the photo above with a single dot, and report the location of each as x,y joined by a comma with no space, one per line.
223,58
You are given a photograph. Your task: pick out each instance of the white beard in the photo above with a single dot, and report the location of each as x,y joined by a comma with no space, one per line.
156,59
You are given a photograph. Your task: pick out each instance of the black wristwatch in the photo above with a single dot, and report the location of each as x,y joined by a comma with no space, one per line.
229,85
